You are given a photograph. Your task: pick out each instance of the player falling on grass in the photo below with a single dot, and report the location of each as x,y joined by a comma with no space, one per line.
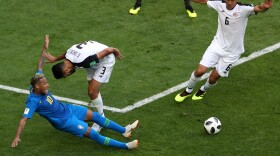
227,45
68,117
98,60
189,9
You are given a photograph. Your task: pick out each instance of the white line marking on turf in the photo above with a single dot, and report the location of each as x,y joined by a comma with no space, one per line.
205,76
156,96
23,91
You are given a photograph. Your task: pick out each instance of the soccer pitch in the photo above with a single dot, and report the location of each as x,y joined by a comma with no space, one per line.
161,47
154,97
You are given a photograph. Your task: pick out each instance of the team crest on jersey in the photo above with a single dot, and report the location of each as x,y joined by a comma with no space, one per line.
81,127
236,14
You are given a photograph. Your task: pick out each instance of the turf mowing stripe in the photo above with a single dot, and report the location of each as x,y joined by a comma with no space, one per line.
156,96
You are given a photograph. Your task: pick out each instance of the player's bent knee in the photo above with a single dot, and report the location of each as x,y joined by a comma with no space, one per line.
93,94
89,115
87,134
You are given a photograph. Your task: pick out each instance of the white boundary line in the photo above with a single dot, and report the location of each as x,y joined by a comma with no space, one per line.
156,96
23,91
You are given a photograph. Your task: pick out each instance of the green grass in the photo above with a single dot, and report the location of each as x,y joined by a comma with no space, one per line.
161,46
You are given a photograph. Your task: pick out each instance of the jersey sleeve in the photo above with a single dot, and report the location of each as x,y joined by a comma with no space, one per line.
213,4
248,10
29,109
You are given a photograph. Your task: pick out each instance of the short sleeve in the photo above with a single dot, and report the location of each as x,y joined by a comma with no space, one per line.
29,109
213,4
248,10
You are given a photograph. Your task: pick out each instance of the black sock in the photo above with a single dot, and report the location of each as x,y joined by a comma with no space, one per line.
188,5
137,4
189,8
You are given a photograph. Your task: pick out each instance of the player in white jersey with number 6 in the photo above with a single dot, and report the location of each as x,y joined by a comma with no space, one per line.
227,45
98,60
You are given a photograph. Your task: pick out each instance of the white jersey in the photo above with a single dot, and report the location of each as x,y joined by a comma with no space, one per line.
231,26
78,53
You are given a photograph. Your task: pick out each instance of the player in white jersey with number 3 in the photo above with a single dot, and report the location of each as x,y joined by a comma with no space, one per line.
227,45
98,60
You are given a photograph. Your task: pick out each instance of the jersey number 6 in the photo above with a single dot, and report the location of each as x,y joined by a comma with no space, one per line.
226,21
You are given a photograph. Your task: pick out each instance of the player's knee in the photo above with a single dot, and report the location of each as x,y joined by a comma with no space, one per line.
199,73
201,70
87,134
93,94
89,115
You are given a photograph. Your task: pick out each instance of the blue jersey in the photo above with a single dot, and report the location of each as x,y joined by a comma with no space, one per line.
65,117
48,107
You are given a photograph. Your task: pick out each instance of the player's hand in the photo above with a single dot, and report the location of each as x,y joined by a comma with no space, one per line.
46,46
267,3
15,142
49,57
118,54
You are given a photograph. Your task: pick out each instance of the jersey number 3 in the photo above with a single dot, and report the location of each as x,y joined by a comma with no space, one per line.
79,46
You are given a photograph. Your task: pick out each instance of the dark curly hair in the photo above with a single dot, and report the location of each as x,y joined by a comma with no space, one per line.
58,70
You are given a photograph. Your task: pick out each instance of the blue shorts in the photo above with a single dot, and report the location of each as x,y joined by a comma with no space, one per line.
75,123
79,111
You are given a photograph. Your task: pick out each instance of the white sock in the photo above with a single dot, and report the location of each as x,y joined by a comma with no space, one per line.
207,85
189,90
98,105
191,83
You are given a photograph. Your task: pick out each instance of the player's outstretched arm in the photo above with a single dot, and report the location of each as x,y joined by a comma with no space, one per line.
108,51
41,59
263,6
19,130
50,57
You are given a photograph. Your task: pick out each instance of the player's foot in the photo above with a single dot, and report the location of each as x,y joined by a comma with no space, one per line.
133,144
182,96
198,95
191,13
134,10
129,128
96,127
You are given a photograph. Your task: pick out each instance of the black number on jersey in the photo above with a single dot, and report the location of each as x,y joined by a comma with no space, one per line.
228,67
226,21
80,46
103,70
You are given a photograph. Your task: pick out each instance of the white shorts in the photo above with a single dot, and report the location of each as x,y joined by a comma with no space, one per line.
102,71
221,60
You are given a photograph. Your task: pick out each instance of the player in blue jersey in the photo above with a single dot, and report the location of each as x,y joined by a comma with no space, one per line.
97,59
69,118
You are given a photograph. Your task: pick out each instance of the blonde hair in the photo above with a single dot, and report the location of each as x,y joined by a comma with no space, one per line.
35,79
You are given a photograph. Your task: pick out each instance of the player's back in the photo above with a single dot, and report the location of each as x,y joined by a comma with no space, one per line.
79,52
